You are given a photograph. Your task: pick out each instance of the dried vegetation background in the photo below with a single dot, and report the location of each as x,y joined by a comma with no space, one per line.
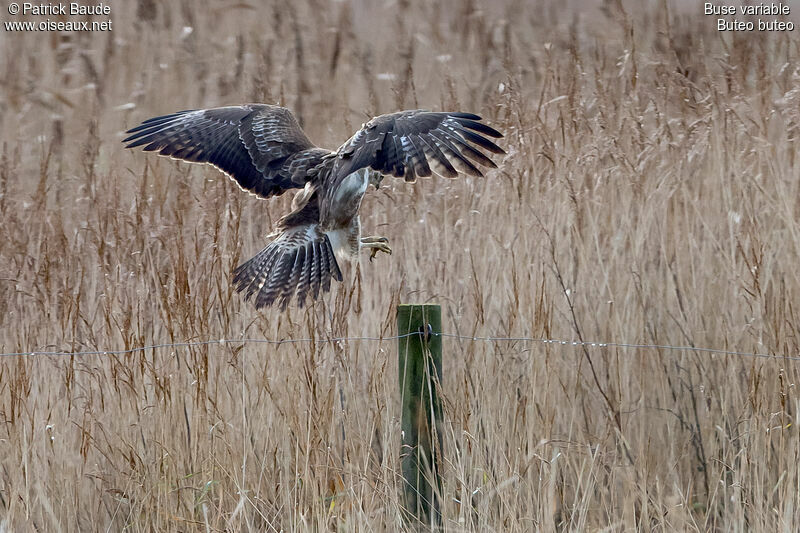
650,194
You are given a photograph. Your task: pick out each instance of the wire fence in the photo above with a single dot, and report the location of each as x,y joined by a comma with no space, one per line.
334,340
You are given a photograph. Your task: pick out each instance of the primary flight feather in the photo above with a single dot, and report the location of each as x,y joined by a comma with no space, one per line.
263,149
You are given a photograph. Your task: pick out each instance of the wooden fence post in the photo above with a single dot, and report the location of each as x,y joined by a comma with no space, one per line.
420,366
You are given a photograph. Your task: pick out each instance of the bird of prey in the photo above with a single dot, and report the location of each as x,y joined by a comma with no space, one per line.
264,150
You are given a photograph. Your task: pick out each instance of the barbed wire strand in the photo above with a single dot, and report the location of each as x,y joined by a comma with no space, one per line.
631,345
192,344
561,342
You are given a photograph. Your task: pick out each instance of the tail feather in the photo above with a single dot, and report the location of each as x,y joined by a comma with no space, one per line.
253,275
277,280
316,269
293,277
288,268
330,263
334,265
325,265
304,281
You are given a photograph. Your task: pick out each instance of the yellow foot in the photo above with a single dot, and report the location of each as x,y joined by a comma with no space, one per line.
376,244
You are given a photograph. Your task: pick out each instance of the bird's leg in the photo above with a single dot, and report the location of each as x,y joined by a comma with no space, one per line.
376,244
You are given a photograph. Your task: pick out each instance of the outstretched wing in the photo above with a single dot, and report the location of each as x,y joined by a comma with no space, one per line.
300,261
415,143
260,146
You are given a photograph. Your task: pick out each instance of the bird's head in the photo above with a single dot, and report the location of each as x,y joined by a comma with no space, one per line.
375,178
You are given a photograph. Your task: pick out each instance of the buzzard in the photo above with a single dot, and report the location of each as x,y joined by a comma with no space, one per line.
263,149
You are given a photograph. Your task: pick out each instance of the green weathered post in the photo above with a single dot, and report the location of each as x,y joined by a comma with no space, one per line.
420,367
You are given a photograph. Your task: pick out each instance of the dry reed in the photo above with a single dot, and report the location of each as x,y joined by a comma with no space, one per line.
650,194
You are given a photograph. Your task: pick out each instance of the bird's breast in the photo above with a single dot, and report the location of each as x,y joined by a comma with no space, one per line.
346,198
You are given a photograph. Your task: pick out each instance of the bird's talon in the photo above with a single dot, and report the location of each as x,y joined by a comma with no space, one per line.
373,240
376,244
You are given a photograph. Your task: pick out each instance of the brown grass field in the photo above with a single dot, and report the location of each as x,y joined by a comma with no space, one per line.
651,194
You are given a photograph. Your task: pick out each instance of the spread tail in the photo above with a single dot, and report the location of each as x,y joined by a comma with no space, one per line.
300,261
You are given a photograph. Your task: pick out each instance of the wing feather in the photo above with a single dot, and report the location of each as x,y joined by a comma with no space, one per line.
483,142
261,147
467,150
415,143
458,159
415,162
478,126
437,159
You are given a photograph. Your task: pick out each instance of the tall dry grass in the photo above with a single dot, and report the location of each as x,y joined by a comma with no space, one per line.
650,194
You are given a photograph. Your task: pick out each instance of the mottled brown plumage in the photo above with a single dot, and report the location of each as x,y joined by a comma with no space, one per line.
263,148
